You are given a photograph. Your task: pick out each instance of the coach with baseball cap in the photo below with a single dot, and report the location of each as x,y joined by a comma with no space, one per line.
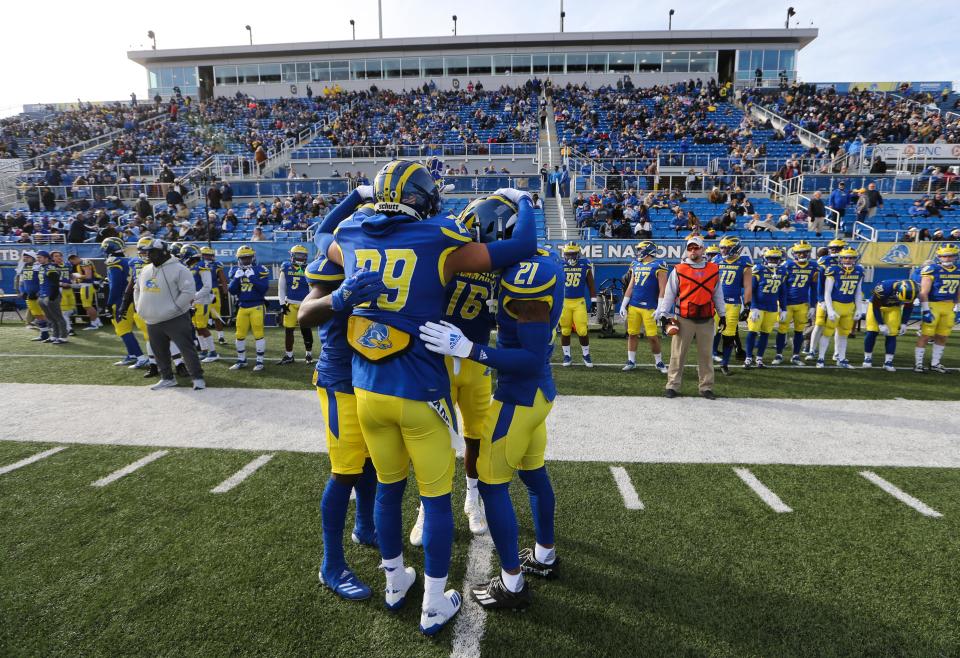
689,301
163,295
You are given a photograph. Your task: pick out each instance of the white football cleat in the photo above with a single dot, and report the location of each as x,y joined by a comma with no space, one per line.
435,616
416,532
888,366
398,584
476,516
164,383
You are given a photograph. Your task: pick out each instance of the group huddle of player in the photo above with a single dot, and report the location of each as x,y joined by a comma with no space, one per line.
816,299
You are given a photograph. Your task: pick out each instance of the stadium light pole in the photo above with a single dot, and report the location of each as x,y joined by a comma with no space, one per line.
454,25
790,13
563,15
353,28
250,30
152,37
380,16
670,20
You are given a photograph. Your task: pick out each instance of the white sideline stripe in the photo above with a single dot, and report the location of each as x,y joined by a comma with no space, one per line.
770,498
127,470
31,459
468,628
630,498
901,495
63,356
241,475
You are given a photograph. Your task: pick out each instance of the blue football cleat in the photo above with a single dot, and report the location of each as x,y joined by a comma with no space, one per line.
364,537
347,586
587,361
843,363
566,360
434,618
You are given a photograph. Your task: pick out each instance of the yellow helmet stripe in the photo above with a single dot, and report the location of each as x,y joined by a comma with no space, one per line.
388,178
398,190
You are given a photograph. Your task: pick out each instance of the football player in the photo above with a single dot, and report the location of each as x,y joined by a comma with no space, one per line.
119,273
403,389
84,275
203,279
579,297
736,279
648,277
939,302
842,303
29,286
219,289
824,263
884,317
68,300
48,296
291,290
515,435
801,281
769,304
248,283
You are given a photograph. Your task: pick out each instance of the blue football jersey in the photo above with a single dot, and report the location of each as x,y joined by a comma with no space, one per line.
885,293
538,278
769,293
44,282
575,279
198,269
946,282
118,273
845,282
467,308
410,254
646,286
334,363
801,282
251,291
824,263
29,282
731,277
296,277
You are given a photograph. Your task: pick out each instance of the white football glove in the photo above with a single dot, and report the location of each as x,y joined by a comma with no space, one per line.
903,329
365,192
754,314
832,315
239,274
811,313
512,194
445,338
249,271
658,315
783,316
859,314
623,310
885,330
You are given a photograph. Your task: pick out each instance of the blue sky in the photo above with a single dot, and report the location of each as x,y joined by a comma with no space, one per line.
65,50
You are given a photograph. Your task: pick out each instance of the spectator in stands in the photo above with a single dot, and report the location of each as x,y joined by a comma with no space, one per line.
623,230
143,207
214,197
879,166
817,211
839,200
643,229
258,235
679,222
48,198
32,195
230,222
260,158
783,222
874,200
758,225
226,195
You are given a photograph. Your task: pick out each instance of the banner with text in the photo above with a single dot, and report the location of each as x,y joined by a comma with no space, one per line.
945,153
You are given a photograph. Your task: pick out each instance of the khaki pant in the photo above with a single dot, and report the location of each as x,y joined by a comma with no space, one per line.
703,331
816,225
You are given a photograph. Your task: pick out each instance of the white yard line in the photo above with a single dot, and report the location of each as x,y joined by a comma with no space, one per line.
770,498
63,356
241,475
30,460
604,429
468,628
130,468
901,495
630,498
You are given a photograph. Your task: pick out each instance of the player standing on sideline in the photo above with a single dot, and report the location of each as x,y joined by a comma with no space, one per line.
118,274
203,278
769,304
939,302
249,283
84,275
515,434
48,281
884,317
68,300
468,306
736,282
580,296
402,389
219,290
28,284
824,263
801,281
291,290
648,278
843,304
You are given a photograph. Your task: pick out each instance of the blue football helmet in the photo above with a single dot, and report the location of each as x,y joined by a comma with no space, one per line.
490,218
646,248
407,188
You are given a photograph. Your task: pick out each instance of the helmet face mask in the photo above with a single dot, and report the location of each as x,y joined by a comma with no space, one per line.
298,254
730,247
112,246
645,249
848,258
246,256
189,253
947,255
834,247
772,257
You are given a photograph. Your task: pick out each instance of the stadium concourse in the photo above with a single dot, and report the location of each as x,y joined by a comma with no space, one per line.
806,511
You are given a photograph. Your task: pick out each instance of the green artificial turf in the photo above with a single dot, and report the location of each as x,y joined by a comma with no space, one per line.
782,381
155,564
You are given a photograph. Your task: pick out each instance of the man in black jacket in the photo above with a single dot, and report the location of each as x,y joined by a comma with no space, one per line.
143,207
818,213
